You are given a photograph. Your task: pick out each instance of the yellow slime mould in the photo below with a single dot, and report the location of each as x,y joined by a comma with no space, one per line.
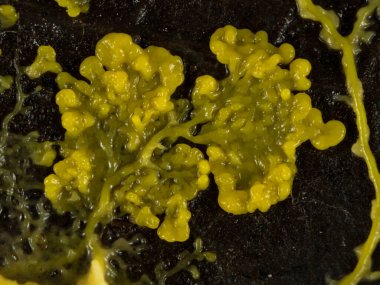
6,82
121,153
5,281
122,124
8,16
111,159
74,7
44,155
256,118
350,46
109,121
44,62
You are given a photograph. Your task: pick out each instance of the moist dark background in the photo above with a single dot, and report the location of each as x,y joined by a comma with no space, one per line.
304,240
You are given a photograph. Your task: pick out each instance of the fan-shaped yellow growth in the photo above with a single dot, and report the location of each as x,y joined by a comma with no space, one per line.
122,124
181,173
110,120
256,118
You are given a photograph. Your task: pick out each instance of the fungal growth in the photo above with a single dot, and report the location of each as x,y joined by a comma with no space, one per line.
350,48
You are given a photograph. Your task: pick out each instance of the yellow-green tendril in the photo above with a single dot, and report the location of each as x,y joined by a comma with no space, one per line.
74,7
349,46
30,229
254,120
185,263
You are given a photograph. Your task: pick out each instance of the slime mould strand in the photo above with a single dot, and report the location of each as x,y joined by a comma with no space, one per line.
127,100
350,47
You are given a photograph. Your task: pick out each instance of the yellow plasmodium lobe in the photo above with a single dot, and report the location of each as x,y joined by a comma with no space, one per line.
44,62
110,157
8,16
256,118
124,123
349,46
6,82
74,7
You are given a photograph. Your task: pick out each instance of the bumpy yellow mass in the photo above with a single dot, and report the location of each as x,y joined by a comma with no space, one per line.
121,152
6,82
110,119
74,7
122,124
44,62
256,118
8,16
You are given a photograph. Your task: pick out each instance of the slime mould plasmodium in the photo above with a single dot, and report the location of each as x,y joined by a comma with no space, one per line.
74,7
349,46
122,124
8,18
